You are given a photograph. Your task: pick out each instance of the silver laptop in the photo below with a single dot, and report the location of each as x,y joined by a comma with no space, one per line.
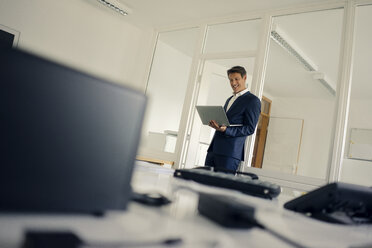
217,113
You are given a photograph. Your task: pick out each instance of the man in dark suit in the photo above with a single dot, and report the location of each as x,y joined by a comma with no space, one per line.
227,148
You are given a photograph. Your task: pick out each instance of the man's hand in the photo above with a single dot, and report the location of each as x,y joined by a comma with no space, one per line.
215,125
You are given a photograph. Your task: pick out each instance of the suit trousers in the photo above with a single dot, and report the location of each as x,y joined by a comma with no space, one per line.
222,162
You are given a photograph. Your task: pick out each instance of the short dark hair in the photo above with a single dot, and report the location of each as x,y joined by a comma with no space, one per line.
237,69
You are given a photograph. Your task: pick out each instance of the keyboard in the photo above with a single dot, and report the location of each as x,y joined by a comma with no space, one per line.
244,184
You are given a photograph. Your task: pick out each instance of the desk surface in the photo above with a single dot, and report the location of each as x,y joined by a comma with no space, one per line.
147,226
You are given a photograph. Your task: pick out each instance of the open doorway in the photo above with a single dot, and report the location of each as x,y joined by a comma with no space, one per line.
261,133
214,89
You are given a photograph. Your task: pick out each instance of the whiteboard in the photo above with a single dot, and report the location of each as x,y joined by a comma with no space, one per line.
360,144
283,144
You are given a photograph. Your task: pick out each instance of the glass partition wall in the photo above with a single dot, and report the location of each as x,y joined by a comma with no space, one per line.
298,64
166,91
301,82
357,157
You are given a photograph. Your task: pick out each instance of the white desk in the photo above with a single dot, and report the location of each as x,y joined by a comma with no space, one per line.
141,224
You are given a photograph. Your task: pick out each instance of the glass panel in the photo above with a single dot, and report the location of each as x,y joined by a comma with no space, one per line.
166,88
301,82
214,90
357,162
233,37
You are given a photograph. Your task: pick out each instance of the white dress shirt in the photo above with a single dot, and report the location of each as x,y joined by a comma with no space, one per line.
232,100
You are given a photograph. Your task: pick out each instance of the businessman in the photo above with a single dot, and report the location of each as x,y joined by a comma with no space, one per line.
227,148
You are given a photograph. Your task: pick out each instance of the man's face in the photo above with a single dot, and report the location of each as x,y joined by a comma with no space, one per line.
237,82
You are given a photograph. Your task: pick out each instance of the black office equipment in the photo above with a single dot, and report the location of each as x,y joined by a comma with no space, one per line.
48,239
244,184
229,211
336,203
68,140
210,168
6,39
150,199
68,239
226,211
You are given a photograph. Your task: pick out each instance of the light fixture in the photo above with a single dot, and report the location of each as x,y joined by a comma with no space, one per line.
278,36
116,6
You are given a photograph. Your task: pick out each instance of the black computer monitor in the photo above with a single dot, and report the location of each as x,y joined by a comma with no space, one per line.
6,39
68,140
337,202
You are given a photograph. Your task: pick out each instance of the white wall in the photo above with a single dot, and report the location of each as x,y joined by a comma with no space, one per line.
356,171
83,34
317,130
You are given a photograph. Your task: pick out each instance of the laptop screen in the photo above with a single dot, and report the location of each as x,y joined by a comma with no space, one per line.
68,140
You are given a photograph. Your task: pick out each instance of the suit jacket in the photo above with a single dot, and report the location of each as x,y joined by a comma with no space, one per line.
245,110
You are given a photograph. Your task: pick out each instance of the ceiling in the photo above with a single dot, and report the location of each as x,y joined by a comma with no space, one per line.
159,13
317,34
317,37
